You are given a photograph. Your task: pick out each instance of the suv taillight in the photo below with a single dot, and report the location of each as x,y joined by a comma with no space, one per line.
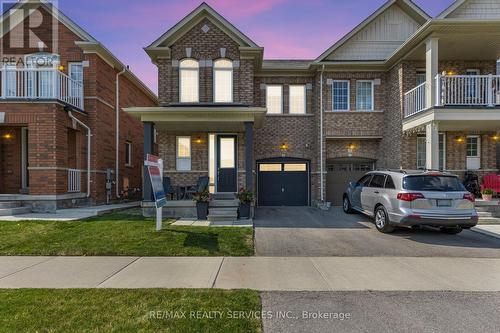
410,196
470,197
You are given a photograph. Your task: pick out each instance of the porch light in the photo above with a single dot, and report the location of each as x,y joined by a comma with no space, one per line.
351,146
8,136
198,141
495,137
61,68
283,147
459,139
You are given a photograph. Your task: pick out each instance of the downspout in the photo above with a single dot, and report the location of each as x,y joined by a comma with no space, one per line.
89,135
322,186
117,134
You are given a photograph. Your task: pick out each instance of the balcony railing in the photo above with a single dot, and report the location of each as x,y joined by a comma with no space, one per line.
74,180
40,84
456,90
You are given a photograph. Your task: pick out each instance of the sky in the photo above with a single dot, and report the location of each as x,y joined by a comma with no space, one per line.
287,29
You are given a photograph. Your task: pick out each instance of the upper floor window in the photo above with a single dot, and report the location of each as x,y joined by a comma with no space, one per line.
340,96
274,99
364,95
223,81
421,77
297,99
189,81
75,71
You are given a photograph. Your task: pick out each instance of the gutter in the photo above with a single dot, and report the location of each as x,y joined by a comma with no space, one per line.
89,135
117,133
322,186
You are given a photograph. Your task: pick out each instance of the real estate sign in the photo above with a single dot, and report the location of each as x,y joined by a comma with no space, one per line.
155,166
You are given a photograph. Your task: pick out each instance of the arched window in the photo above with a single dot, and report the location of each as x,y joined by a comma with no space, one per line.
189,81
223,81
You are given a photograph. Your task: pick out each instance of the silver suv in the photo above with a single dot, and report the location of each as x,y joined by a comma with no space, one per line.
412,198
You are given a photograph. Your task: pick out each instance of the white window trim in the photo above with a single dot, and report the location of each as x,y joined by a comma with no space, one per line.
373,95
348,96
180,79
70,67
128,146
478,146
444,149
177,158
290,99
232,80
281,105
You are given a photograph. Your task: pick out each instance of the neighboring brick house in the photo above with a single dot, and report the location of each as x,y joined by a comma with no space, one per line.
402,90
50,93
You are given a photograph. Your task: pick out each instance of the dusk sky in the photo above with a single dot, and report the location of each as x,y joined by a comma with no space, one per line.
287,29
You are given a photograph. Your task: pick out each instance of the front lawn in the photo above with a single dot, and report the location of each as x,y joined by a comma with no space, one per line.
125,233
140,310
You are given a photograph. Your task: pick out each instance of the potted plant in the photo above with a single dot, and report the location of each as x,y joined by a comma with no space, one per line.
202,199
245,197
487,194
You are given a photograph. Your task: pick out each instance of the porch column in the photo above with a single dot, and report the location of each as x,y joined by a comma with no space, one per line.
431,70
432,145
147,191
249,155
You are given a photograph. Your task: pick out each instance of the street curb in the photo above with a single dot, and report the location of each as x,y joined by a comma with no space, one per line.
485,232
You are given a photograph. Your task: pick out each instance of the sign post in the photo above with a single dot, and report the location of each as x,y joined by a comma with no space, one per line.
155,170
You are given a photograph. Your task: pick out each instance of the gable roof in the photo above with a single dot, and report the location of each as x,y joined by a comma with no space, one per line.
194,17
87,43
407,6
477,9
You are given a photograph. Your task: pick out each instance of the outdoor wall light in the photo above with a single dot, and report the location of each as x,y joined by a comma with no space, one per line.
351,146
198,141
459,139
7,136
495,137
283,147
61,68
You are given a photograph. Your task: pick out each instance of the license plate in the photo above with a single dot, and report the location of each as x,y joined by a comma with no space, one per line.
443,203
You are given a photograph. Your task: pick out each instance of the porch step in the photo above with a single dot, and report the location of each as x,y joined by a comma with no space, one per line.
223,214
14,211
484,214
489,220
224,203
9,204
224,196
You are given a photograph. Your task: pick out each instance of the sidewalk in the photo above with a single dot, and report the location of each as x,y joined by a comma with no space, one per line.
71,214
257,273
492,230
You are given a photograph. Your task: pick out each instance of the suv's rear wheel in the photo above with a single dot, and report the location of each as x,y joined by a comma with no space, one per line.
451,231
382,220
346,205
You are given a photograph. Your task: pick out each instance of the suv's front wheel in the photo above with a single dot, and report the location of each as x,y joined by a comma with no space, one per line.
346,205
382,220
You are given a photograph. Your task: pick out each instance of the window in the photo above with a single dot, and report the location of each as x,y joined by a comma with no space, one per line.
223,81
128,153
421,77
472,146
270,167
389,183
183,153
364,95
422,152
189,81
295,167
378,181
365,180
274,99
433,183
76,74
340,96
297,99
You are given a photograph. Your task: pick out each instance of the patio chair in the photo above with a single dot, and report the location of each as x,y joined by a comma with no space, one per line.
200,186
167,187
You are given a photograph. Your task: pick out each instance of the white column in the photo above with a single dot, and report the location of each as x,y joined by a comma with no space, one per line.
432,145
431,70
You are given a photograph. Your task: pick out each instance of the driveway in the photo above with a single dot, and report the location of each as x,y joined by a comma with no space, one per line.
307,231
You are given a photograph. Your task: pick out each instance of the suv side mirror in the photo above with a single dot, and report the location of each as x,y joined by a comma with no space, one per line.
354,184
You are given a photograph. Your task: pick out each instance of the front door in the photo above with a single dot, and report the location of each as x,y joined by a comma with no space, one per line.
226,164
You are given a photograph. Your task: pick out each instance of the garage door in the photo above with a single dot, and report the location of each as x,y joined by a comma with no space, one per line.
283,183
340,173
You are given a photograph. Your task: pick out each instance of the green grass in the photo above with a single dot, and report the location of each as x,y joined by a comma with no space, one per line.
105,310
125,233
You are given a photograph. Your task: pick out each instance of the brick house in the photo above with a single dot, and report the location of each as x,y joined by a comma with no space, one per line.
59,96
402,90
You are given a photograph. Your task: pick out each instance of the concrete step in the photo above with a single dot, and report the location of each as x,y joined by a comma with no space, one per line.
224,203
14,211
223,196
484,214
489,220
10,204
218,218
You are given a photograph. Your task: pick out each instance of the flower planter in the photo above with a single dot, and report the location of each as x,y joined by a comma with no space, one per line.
487,197
244,210
202,210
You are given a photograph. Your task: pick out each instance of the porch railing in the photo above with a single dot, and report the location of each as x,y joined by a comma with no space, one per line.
74,180
40,84
415,100
456,90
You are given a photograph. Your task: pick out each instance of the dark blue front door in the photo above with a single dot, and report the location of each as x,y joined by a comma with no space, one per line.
226,163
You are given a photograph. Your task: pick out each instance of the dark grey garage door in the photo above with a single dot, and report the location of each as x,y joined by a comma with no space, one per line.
340,173
283,182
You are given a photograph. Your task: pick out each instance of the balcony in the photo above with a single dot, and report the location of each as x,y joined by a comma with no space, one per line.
456,91
40,84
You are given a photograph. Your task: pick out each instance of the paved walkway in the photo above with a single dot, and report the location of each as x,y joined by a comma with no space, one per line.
71,214
257,273
492,230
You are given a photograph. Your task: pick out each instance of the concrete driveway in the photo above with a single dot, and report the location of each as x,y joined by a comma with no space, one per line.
307,231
